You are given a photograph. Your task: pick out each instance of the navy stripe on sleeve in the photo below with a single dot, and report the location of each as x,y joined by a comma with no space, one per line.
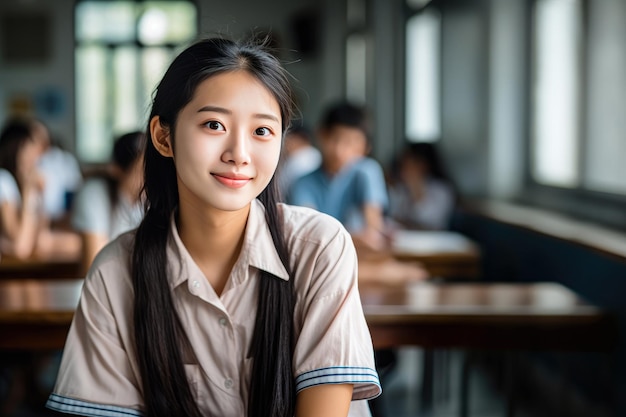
360,377
85,408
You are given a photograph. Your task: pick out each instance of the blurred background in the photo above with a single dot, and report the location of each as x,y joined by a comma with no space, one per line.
525,100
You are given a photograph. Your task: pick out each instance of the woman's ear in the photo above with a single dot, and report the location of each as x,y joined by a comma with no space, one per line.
160,136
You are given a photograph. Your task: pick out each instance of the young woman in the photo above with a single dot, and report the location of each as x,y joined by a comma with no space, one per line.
24,229
223,302
108,205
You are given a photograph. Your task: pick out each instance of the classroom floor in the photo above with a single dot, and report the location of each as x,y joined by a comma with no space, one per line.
403,396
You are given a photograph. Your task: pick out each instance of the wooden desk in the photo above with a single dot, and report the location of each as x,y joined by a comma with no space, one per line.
11,268
443,253
486,315
36,314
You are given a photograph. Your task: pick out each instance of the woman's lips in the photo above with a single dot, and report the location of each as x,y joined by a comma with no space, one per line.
232,181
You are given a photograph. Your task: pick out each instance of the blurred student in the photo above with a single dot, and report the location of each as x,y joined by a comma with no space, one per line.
61,173
351,187
108,205
24,228
300,157
422,196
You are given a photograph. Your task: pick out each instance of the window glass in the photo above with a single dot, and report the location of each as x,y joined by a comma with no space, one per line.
606,88
109,21
556,92
122,50
423,119
356,68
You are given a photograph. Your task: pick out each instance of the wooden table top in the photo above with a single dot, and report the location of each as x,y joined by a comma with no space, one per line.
36,314
11,267
443,253
486,315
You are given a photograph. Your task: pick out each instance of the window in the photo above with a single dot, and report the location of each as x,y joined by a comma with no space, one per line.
356,52
556,92
122,50
578,105
423,120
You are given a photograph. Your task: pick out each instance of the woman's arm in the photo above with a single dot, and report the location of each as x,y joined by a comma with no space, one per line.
328,400
21,225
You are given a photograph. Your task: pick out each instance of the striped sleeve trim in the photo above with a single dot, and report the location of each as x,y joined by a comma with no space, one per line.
357,376
84,408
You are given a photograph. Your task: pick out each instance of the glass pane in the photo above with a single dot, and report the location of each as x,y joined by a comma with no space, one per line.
126,110
423,119
93,143
606,144
110,22
356,68
154,62
556,95
167,22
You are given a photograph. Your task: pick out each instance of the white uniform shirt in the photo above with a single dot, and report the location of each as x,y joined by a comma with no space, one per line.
93,211
99,371
9,191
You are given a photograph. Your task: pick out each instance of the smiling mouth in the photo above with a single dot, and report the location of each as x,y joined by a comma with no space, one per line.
232,182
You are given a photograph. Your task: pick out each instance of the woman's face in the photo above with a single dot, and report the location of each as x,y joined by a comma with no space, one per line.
227,142
27,157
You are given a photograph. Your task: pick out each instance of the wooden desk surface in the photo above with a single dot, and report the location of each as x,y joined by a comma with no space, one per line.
11,268
36,314
443,253
486,315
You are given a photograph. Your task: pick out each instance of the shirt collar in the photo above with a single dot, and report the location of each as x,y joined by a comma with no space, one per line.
258,250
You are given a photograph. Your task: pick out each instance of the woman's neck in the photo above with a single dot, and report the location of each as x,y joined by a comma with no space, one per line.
213,239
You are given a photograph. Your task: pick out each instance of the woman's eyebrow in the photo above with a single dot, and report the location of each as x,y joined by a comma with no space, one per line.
223,110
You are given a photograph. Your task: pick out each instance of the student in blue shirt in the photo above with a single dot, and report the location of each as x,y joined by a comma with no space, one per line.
350,186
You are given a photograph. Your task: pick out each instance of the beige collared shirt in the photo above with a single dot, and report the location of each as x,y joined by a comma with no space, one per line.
99,374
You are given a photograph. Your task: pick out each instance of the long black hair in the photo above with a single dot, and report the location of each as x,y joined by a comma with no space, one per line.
126,151
15,134
165,387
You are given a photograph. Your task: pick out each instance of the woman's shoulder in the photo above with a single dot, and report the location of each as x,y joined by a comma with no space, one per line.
9,190
113,261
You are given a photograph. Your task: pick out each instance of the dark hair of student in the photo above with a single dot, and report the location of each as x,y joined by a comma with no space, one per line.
15,134
428,153
126,150
158,332
345,114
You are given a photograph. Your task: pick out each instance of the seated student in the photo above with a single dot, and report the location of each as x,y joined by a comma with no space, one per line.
350,187
422,196
24,228
108,205
299,157
61,173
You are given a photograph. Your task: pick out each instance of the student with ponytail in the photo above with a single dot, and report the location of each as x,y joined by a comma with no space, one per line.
223,302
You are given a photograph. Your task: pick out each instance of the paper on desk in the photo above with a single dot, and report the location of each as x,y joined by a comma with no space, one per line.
427,242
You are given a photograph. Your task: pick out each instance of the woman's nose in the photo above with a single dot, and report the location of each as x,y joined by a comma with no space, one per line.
237,151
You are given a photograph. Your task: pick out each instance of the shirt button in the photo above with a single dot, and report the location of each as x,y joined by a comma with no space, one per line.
228,383
195,283
223,321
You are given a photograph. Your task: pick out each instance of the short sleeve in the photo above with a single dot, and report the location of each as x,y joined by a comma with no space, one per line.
91,212
374,190
304,192
9,193
334,345
96,376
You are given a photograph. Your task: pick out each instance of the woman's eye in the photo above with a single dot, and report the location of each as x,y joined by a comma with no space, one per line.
214,125
262,131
